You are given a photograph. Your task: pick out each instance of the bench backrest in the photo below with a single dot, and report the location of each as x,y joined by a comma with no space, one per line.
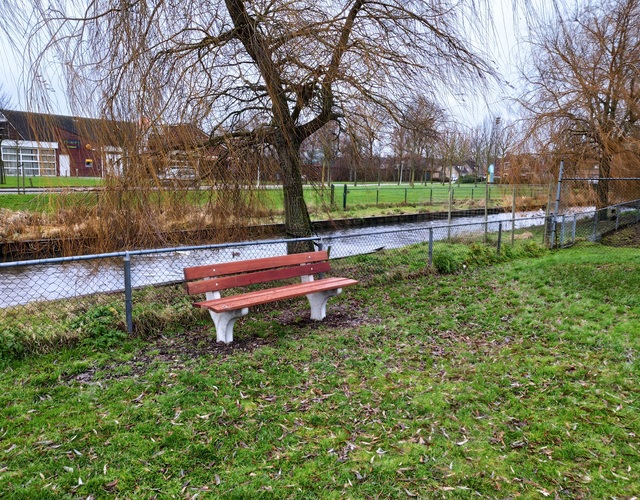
216,277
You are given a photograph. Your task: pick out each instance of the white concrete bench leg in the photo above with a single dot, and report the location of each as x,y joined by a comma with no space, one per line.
225,321
318,302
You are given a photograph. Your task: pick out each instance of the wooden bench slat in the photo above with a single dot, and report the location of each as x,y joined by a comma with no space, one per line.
243,266
216,284
265,296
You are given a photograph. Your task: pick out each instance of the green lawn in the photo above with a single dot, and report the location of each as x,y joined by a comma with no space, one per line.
513,380
12,182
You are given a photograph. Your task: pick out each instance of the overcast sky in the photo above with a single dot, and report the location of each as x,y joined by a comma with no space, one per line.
468,108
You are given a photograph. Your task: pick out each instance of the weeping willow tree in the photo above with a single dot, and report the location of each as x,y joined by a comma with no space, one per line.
582,89
257,77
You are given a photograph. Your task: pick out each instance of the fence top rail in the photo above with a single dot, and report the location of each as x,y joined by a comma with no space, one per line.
593,179
418,185
130,253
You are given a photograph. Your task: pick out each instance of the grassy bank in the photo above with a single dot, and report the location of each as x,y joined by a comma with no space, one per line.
513,380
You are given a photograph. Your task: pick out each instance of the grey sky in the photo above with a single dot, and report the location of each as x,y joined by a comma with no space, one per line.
501,43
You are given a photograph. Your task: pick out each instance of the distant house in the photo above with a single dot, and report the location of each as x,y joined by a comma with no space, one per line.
441,171
38,144
468,169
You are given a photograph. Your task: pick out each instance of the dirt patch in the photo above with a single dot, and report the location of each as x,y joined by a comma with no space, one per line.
340,316
177,351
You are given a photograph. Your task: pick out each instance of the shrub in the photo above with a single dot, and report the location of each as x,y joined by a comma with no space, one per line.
448,262
101,326
481,255
12,342
468,179
532,249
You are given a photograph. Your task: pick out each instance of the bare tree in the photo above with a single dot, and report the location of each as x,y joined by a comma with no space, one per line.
480,146
453,149
419,123
323,147
287,67
361,139
583,84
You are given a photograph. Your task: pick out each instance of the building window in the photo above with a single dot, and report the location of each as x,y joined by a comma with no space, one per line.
28,161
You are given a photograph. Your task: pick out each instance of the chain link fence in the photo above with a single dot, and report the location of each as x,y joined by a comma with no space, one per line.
48,302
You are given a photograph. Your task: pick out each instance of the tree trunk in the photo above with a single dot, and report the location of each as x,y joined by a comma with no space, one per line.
296,217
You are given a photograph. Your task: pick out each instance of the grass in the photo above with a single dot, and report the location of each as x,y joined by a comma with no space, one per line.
514,380
48,203
12,182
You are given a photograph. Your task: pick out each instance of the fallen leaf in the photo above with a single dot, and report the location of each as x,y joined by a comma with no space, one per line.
112,486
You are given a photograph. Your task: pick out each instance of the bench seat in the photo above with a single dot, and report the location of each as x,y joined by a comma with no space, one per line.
214,278
259,297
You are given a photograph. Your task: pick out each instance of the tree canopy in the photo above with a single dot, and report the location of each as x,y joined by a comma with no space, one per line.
272,72
583,84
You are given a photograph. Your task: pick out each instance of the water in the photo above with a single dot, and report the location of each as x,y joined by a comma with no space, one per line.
22,285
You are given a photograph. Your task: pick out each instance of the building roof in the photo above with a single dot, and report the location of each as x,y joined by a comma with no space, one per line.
47,128
182,137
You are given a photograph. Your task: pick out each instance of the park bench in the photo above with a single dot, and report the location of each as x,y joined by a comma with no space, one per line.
212,279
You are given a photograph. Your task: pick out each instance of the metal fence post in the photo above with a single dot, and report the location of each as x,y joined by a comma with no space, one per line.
377,196
344,198
499,236
430,246
573,231
333,192
128,293
486,208
513,217
449,212
557,207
